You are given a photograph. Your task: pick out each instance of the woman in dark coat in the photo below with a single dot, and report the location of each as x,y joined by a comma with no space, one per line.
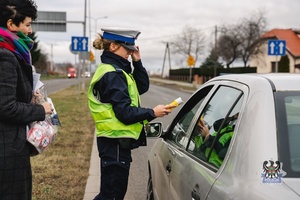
16,111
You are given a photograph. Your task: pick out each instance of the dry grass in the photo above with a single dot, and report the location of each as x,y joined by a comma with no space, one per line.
61,171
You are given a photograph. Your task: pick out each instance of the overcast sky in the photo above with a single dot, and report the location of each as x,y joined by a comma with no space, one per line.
159,21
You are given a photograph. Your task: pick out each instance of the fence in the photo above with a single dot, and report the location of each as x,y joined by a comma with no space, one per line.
201,75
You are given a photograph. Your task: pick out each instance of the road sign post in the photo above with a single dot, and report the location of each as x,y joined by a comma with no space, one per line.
191,62
276,48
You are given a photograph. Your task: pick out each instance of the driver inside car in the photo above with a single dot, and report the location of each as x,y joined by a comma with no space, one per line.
204,140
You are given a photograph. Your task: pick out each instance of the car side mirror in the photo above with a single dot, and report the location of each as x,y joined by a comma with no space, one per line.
153,129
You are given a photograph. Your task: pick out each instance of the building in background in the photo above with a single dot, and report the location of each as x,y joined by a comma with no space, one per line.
288,63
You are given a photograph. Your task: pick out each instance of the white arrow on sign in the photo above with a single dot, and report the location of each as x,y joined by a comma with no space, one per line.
272,45
84,44
75,42
281,45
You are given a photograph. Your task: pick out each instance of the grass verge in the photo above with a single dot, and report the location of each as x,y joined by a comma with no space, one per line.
61,171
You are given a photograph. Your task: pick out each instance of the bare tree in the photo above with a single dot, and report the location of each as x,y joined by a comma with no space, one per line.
190,42
250,31
228,44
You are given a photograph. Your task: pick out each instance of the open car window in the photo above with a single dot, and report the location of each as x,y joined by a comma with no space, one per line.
219,116
177,132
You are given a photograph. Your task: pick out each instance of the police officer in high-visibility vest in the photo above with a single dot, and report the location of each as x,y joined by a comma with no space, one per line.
114,102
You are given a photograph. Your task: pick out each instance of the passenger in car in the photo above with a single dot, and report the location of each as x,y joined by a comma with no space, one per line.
204,140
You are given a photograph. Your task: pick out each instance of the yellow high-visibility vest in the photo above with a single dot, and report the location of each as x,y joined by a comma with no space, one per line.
107,125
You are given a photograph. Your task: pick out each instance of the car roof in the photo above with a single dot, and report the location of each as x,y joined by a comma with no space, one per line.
278,81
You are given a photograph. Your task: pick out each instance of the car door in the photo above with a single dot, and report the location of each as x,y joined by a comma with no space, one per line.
166,153
194,172
175,142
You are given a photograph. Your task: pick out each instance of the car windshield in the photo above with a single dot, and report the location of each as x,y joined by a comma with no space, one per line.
288,126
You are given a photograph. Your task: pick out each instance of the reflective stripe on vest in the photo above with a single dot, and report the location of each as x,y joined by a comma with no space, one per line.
107,125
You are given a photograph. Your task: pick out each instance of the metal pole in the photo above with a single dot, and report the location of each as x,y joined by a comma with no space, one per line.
84,21
169,56
163,67
276,65
215,64
90,36
191,74
81,70
51,66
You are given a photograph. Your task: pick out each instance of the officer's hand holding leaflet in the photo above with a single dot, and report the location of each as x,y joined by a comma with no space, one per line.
162,110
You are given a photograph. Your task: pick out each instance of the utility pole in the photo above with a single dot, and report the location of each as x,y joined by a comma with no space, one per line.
51,67
84,35
216,49
84,21
83,68
90,36
167,51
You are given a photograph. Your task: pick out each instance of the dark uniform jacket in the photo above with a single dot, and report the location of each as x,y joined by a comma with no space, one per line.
16,113
113,89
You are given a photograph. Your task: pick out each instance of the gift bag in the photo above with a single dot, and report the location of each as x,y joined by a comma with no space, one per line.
41,134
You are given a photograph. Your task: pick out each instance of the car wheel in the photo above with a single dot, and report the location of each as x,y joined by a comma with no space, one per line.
150,189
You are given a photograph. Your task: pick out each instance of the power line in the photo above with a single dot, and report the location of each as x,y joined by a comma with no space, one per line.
177,34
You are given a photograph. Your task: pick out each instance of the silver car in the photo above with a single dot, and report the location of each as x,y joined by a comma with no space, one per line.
236,137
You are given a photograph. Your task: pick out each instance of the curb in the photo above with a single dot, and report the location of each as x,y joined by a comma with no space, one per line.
92,187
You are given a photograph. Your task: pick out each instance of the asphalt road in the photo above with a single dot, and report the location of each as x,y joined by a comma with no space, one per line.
55,85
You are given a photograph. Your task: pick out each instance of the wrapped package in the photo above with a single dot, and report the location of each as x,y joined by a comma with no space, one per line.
41,135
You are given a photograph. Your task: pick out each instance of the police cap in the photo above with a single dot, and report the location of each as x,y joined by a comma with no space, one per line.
123,36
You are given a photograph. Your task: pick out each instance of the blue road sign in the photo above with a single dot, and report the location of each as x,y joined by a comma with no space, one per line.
276,47
79,44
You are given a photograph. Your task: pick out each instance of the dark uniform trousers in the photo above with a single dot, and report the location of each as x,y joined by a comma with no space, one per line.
115,164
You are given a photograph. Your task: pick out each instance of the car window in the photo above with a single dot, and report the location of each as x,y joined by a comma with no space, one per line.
288,122
212,134
179,127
